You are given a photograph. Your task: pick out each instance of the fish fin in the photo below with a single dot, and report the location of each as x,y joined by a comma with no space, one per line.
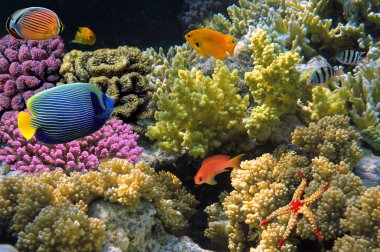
215,158
339,71
235,162
231,48
98,109
212,181
221,56
24,125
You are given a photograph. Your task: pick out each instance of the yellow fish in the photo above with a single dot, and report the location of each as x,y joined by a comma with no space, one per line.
84,36
209,42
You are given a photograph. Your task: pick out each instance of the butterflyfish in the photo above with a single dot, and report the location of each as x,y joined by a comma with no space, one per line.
322,75
349,57
65,113
215,165
84,36
208,42
34,23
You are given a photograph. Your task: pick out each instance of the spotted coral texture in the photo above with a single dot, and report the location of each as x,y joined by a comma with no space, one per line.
331,137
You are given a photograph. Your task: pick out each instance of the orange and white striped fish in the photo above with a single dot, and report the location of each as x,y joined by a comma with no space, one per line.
34,23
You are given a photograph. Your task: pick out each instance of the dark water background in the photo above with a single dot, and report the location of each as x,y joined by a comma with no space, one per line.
141,23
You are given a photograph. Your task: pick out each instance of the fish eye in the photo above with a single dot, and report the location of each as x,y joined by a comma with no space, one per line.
188,36
200,178
197,44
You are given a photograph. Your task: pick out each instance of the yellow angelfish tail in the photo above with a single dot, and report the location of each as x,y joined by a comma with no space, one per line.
231,48
235,162
24,125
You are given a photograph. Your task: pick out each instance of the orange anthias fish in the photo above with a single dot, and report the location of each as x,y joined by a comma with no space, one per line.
215,165
34,23
209,42
84,36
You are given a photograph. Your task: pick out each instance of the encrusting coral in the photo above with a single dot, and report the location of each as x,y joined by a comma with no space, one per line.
48,210
199,113
114,139
26,68
274,83
119,73
268,182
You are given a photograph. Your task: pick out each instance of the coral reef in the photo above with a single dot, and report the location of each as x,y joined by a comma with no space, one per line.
268,182
114,139
54,205
26,68
274,83
120,73
200,113
330,137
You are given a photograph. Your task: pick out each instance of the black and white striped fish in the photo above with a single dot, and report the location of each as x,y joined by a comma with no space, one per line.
349,57
323,74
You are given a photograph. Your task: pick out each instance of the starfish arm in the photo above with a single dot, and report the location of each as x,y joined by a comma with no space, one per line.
307,212
291,224
281,211
301,188
316,195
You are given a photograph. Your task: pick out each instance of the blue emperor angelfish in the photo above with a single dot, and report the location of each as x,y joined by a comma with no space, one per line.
65,113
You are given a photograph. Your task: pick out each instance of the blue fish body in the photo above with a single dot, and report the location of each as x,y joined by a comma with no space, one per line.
68,112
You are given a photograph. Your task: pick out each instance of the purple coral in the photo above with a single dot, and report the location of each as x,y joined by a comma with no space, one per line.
114,139
26,68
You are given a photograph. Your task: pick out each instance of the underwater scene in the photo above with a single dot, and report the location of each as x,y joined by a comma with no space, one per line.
190,125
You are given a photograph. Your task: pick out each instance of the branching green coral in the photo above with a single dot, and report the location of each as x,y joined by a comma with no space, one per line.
275,84
331,137
120,73
47,211
200,113
371,135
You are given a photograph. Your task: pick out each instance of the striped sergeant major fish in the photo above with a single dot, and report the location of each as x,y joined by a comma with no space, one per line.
349,57
322,75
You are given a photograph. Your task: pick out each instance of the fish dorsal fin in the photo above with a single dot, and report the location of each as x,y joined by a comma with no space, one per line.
215,158
98,109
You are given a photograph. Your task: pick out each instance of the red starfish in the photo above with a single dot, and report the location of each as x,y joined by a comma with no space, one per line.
296,207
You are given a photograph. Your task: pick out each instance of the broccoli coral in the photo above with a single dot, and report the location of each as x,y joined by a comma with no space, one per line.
200,113
331,137
275,85
51,206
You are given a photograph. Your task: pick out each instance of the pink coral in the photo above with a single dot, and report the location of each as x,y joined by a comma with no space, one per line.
27,66
114,139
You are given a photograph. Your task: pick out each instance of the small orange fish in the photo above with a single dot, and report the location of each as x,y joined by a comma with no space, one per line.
84,36
213,166
209,42
34,23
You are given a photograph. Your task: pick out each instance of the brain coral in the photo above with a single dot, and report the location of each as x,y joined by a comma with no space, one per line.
120,73
47,211
26,68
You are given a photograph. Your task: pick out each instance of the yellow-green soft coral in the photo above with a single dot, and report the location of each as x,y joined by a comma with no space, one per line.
268,182
199,113
275,84
47,211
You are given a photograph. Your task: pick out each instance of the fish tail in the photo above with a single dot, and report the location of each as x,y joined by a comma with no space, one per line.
24,125
235,162
231,48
